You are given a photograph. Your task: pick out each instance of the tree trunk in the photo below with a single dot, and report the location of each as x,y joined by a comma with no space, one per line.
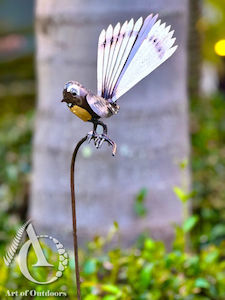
151,129
194,49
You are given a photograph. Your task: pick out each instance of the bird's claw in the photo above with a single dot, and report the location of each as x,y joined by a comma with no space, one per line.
91,136
99,139
103,138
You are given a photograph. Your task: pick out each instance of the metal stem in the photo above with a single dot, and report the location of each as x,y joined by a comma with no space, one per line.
73,202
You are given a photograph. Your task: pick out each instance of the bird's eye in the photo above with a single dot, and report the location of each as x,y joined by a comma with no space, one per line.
73,92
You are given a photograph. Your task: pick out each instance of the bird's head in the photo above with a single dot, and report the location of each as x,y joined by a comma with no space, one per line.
73,94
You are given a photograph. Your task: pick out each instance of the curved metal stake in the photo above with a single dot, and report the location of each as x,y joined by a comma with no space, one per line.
73,199
73,202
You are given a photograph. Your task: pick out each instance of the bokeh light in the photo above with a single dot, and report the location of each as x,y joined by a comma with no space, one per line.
220,48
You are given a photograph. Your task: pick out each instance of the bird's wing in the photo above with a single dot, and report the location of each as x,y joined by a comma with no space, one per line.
129,53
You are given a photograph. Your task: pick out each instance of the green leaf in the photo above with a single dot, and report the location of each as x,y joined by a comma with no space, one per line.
116,225
110,288
149,244
190,223
140,210
141,195
218,231
139,205
91,297
110,297
183,164
202,283
90,267
145,275
212,256
182,196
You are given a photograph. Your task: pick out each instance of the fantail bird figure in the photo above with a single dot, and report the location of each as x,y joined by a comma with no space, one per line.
126,54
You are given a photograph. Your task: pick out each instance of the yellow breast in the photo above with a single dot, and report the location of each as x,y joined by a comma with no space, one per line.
81,113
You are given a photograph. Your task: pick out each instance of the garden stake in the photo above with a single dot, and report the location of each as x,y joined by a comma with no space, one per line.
74,215
73,203
126,54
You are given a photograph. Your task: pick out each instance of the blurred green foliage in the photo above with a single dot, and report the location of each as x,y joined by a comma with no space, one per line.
208,164
15,152
15,162
145,271
211,25
17,87
16,127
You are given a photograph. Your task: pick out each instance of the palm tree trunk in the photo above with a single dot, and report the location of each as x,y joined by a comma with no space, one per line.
151,129
194,48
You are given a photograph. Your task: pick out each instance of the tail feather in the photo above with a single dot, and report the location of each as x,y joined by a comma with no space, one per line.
125,49
109,35
129,53
101,48
124,37
116,33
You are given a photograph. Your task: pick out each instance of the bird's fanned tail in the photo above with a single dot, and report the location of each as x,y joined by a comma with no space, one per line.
128,53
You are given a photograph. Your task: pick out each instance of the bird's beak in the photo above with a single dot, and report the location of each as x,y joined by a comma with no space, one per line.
63,100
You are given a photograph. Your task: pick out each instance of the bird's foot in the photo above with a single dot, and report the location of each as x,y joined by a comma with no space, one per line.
92,135
99,139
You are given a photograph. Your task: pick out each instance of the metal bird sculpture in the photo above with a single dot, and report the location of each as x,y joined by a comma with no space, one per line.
126,54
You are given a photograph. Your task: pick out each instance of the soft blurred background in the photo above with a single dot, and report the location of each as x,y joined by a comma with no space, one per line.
125,204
